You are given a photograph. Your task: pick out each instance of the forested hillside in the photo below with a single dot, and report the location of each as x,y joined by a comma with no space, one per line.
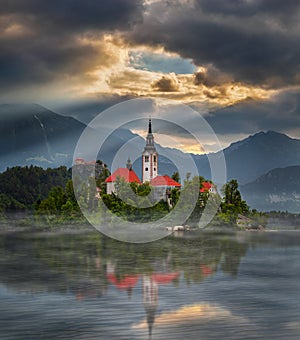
21,187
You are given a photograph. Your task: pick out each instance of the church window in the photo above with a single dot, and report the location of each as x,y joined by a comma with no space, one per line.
154,159
146,169
146,158
154,169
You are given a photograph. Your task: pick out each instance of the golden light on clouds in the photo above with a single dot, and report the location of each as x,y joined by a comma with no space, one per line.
183,143
116,74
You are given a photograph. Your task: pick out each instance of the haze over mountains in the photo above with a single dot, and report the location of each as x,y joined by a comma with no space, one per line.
32,134
279,190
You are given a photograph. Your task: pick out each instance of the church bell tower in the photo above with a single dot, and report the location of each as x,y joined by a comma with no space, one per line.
149,157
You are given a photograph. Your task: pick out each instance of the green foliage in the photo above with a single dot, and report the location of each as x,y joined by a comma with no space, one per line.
60,205
24,186
232,203
142,190
8,203
101,176
176,176
52,195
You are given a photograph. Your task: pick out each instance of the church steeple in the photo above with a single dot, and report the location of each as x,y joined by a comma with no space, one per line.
150,301
150,138
150,159
150,126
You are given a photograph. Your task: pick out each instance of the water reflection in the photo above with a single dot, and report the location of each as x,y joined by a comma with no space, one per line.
160,280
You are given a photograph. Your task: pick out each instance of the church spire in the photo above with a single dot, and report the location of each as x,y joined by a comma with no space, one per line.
150,301
150,126
150,137
149,158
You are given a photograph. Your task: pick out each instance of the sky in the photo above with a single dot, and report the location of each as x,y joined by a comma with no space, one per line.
240,59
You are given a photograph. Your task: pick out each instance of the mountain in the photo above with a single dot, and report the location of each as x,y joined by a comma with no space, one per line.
278,189
246,160
32,134
254,156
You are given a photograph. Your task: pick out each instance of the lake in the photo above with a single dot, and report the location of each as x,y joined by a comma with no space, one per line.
81,285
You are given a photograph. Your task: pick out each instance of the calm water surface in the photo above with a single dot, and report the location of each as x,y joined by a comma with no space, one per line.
67,285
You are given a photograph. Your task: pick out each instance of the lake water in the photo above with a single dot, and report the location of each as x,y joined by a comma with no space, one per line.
81,285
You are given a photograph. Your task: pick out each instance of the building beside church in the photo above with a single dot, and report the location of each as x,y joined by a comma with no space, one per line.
208,187
162,186
127,174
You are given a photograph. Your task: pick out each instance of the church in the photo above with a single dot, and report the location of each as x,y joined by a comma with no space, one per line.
161,185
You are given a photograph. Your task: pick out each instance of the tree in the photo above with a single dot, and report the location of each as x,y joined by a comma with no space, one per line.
232,200
176,176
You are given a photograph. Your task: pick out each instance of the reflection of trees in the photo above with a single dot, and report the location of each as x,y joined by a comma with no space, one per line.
233,253
78,262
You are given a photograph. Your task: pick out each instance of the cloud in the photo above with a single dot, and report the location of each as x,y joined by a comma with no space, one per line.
65,16
255,42
279,113
216,52
211,76
59,41
166,84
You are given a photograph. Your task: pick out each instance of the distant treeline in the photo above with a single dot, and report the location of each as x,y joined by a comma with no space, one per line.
23,187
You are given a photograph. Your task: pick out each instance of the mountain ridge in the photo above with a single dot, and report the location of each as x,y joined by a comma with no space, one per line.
32,134
278,189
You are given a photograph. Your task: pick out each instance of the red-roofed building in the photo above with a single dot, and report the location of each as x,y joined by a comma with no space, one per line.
164,181
79,161
162,186
164,278
208,187
127,174
127,282
82,161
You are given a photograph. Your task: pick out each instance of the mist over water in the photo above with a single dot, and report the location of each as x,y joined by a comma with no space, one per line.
82,285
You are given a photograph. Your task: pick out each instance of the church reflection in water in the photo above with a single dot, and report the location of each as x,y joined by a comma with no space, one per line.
87,266
150,285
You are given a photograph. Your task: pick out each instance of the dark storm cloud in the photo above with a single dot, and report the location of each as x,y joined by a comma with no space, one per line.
29,62
255,41
281,113
210,77
75,15
246,8
40,39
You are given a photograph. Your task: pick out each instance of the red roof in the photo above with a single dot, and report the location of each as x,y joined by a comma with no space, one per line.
205,186
129,281
164,181
206,270
164,278
128,175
